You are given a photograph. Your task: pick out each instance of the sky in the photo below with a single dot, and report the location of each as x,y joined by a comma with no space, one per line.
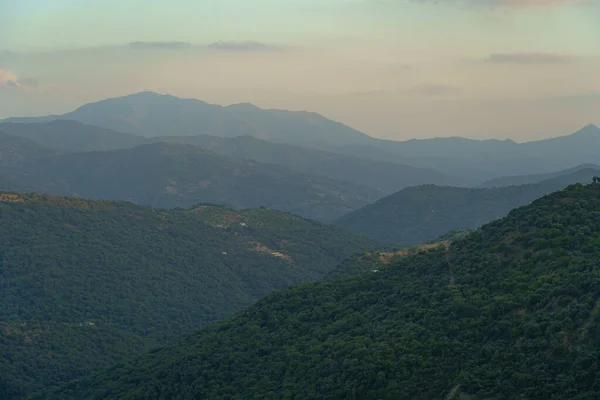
396,69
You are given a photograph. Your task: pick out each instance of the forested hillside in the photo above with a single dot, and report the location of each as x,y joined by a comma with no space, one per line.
423,213
511,311
87,283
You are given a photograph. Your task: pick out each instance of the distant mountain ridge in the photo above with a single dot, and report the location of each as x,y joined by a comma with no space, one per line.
482,160
381,176
14,149
529,179
73,136
423,213
178,175
151,114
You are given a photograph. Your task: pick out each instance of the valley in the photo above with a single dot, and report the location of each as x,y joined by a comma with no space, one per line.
156,247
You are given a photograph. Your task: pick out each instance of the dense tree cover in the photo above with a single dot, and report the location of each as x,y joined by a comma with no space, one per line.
171,175
85,283
423,213
511,311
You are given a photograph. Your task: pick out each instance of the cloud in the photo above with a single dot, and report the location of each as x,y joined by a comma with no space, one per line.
226,45
508,3
529,58
10,82
529,3
434,90
222,45
160,45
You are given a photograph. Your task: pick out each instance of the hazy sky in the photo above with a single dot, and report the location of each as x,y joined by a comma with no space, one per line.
398,69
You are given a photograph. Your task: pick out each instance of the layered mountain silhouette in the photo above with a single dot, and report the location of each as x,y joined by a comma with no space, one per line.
482,160
177,175
150,114
381,176
16,149
73,136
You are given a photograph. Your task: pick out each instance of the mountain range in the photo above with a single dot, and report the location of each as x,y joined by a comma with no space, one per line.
510,311
481,160
73,136
89,283
149,114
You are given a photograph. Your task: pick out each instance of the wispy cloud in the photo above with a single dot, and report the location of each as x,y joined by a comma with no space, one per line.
222,45
160,45
511,3
227,45
529,58
538,3
9,80
434,90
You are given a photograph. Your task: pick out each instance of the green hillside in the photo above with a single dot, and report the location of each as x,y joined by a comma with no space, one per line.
87,283
508,312
419,214
179,175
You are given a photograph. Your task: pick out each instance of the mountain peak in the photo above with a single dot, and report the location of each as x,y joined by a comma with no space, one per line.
244,106
147,94
589,129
